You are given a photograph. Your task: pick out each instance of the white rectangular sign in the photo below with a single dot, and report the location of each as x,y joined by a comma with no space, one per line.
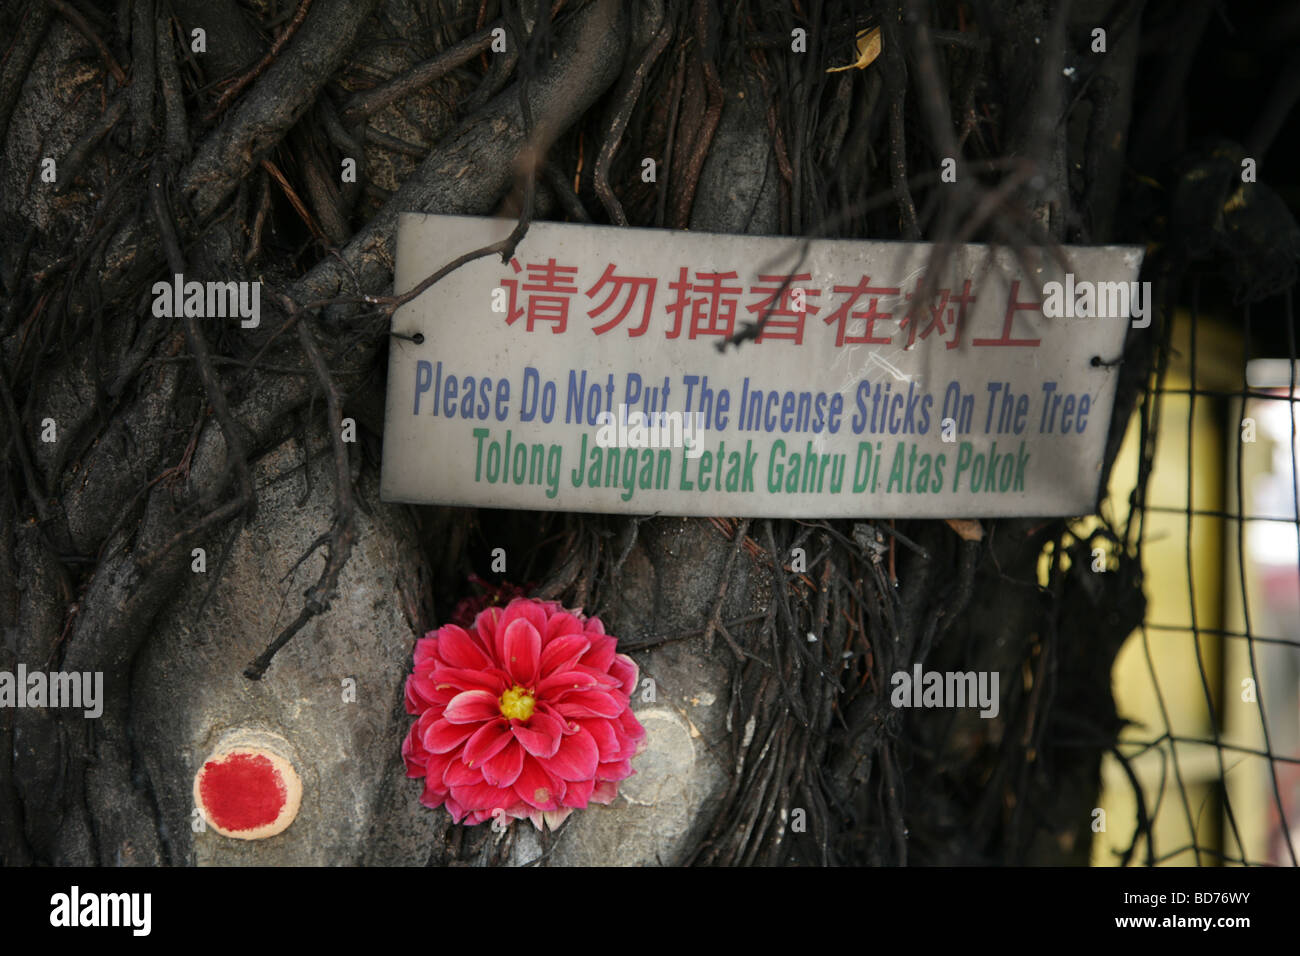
586,374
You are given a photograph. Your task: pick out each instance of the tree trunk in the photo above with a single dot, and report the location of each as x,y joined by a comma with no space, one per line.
172,435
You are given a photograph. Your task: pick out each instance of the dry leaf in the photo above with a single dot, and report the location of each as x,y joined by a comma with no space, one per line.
868,49
968,528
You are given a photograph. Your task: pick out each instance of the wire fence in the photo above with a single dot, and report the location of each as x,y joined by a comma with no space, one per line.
1207,769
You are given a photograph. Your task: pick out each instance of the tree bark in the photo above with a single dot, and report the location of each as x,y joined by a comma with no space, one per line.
224,164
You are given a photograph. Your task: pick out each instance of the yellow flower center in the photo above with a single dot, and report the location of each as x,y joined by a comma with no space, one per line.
517,703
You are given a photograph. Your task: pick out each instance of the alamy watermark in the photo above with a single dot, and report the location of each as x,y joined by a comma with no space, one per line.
946,689
211,300
75,908
26,688
1098,300
655,430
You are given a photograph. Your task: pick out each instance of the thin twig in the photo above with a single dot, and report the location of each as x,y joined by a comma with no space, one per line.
391,303
198,347
649,642
73,16
173,97
716,616
708,124
85,145
296,201
369,102
627,100
343,534
895,73
239,83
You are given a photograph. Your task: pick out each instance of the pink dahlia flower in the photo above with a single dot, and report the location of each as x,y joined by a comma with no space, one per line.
523,714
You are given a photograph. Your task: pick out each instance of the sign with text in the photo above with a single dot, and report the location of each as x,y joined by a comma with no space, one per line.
588,374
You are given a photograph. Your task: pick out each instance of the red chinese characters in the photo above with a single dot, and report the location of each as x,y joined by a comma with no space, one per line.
705,304
840,317
953,307
631,287
548,288
786,306
709,301
1013,306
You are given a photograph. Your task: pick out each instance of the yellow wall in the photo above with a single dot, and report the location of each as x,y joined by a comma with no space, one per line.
1156,679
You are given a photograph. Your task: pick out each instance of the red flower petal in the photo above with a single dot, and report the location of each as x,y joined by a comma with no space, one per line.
633,732
415,704
433,795
426,650
457,774
521,649
492,679
508,617
488,741
485,626
427,720
601,654
589,703
456,810
606,737
561,623
443,736
504,769
458,648
526,609
423,691
482,796
556,686
562,653
605,792
437,767
578,792
606,680
413,753
576,758
615,770
536,787
541,735
472,707
625,670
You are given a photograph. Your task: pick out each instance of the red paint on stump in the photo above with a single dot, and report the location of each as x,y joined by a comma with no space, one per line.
242,792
